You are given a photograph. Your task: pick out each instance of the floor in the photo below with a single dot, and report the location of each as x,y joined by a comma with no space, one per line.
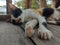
14,35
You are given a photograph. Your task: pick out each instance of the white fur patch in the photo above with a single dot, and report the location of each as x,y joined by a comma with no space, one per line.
32,19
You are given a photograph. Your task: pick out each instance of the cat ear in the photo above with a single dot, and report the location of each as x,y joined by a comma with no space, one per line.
12,6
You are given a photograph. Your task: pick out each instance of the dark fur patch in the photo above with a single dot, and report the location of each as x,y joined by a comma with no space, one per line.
47,12
17,12
16,23
13,22
45,24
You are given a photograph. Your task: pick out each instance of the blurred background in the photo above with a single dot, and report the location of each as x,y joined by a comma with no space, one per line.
21,4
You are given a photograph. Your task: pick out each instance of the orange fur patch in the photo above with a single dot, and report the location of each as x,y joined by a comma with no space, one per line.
39,11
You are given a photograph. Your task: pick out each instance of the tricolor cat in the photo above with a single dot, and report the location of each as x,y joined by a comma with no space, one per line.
32,17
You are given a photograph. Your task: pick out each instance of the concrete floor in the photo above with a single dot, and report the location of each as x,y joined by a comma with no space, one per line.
13,35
